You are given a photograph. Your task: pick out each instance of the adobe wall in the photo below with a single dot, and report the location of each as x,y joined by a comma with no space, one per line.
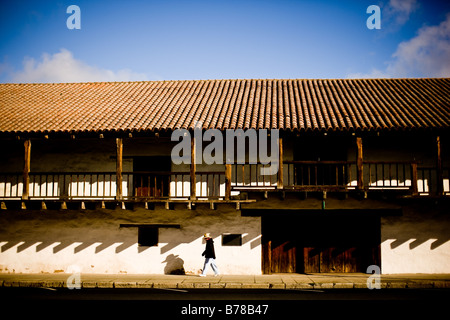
53,241
418,241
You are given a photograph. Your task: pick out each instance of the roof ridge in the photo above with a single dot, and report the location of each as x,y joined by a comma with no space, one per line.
229,79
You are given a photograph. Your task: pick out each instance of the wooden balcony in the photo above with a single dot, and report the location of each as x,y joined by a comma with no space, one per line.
336,176
136,186
147,186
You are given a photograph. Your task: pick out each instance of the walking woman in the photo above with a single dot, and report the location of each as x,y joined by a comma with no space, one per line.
210,256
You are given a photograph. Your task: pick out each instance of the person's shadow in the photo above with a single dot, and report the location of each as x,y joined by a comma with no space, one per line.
175,265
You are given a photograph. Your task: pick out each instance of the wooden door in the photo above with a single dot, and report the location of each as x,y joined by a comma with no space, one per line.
340,244
320,243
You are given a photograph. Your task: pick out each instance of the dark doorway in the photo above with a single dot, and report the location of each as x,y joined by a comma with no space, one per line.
151,176
321,148
322,161
313,243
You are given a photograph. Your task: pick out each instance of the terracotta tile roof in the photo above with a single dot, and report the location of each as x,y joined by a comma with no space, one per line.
351,104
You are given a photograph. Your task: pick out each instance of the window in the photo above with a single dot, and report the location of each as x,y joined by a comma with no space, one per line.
147,236
148,233
231,239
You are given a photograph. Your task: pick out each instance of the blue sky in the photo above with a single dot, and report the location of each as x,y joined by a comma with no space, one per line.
183,40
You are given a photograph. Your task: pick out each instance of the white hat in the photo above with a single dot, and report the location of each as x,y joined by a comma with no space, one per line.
207,235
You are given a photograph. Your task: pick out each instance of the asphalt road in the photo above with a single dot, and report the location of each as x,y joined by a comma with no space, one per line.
224,294
224,303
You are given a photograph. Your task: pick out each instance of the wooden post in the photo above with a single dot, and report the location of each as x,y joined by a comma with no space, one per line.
227,181
192,170
119,156
359,163
280,164
269,257
439,174
414,189
26,170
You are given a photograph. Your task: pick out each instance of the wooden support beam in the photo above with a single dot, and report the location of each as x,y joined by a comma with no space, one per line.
359,164
269,257
227,181
26,170
440,177
192,170
119,168
280,164
414,189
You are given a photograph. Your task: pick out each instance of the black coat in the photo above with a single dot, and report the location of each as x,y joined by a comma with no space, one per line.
209,250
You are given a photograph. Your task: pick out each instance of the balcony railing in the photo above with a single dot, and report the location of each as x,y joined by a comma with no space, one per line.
320,175
103,185
297,176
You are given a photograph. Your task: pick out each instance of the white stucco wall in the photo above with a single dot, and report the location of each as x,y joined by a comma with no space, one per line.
416,242
52,241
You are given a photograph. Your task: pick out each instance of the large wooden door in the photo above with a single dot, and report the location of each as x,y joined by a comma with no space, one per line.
320,243
279,247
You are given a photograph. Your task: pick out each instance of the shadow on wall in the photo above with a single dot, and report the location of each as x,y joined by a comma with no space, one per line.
415,242
423,223
61,245
98,231
174,265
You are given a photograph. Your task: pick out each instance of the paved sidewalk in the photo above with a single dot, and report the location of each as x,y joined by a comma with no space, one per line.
275,281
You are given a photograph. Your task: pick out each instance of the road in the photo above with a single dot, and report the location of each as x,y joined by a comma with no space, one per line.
227,303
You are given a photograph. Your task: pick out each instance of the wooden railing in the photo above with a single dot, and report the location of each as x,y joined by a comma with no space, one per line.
253,176
390,174
297,175
309,175
427,181
103,185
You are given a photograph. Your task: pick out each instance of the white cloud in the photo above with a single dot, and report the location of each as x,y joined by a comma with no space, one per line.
63,67
425,55
400,10
374,73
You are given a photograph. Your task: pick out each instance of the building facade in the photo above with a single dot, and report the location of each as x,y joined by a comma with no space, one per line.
301,176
